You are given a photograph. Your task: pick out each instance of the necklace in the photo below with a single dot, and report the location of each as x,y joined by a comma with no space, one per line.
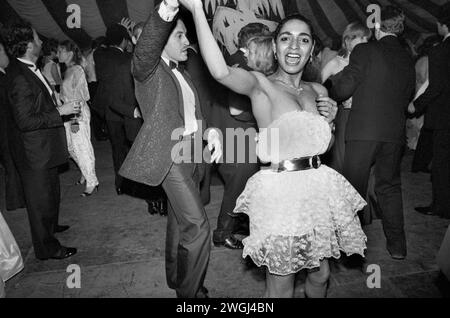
298,90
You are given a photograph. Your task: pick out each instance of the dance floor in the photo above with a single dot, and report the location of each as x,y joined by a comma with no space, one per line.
121,249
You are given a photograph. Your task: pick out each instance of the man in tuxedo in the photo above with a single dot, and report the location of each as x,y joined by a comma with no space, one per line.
435,103
162,153
236,114
115,96
381,79
14,193
37,140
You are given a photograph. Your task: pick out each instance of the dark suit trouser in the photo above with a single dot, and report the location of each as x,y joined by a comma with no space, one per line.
42,196
424,150
121,136
440,172
14,193
235,176
386,157
337,163
188,237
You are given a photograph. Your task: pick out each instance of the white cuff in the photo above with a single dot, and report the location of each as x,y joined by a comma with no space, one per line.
213,134
168,9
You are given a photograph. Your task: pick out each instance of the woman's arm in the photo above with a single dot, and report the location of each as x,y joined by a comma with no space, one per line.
236,79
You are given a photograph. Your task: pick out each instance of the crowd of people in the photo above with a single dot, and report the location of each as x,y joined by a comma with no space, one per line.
294,209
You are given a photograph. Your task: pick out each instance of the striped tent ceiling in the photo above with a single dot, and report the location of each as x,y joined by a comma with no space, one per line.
329,16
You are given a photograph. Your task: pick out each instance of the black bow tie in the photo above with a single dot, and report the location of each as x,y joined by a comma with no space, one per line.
178,66
31,66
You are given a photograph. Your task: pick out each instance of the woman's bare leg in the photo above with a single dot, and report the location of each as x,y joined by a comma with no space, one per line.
317,282
279,286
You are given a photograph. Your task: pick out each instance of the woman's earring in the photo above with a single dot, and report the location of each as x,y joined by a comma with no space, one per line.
275,56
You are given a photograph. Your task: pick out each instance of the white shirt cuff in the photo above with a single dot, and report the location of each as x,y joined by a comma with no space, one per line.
213,134
168,9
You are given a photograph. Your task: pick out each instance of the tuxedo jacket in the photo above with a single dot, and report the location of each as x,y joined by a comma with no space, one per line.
36,132
381,79
114,99
3,115
160,98
435,101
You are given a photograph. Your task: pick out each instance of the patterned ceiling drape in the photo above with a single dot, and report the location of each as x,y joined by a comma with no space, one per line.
329,17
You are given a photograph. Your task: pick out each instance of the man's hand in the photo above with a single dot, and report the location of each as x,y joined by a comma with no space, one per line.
214,143
327,108
137,113
70,108
411,108
128,24
192,5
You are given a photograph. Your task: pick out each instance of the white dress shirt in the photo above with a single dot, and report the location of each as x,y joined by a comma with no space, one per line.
190,121
38,73
445,37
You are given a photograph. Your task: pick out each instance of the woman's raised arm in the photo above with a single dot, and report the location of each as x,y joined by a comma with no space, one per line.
236,79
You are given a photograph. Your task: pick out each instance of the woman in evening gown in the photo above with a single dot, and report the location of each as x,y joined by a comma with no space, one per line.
74,88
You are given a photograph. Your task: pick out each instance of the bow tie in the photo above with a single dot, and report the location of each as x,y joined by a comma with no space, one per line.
178,66
31,66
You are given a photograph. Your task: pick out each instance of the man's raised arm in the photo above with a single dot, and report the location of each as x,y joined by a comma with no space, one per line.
153,39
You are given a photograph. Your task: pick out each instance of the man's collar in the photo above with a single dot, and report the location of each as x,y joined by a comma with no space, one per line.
446,37
166,60
27,62
2,70
117,47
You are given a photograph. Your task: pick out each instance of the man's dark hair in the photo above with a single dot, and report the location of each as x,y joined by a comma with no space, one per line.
49,46
392,20
116,33
17,39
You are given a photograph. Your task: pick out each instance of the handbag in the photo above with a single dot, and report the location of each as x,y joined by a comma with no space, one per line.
11,261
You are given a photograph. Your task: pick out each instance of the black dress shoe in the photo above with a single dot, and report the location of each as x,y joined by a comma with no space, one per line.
424,210
61,228
162,205
63,253
202,293
231,243
152,207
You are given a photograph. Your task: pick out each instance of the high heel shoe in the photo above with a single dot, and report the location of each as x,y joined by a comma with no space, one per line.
82,180
86,194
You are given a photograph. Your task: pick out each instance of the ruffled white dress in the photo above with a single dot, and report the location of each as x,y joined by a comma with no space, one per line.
298,218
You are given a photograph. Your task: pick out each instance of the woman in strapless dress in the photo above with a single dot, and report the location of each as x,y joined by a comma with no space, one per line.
301,212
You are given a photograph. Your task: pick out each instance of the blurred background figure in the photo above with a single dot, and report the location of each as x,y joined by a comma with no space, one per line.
237,113
420,138
51,69
78,130
13,187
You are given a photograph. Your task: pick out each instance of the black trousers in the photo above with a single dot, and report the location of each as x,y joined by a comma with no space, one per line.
42,196
98,123
440,172
188,237
14,196
121,137
235,176
424,151
386,158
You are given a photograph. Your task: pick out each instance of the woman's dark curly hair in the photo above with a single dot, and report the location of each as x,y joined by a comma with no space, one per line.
70,46
17,38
